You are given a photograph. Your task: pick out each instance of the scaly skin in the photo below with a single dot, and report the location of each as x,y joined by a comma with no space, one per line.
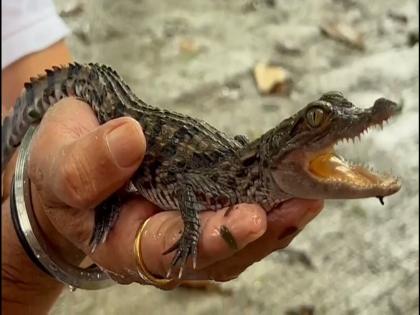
193,167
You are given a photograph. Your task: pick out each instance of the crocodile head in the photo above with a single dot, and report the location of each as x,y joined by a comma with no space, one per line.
300,151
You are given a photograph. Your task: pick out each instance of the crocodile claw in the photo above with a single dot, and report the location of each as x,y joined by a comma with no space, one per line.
185,247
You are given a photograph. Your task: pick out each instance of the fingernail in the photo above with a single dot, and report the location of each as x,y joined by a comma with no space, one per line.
124,143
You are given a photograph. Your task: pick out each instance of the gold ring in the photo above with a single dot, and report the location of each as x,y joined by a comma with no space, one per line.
147,277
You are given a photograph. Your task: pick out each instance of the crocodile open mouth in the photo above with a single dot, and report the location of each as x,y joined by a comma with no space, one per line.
314,171
332,168
329,167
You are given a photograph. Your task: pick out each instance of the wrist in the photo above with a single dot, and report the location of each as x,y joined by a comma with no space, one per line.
22,281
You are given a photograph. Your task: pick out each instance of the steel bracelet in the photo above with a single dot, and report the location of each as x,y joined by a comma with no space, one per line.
91,278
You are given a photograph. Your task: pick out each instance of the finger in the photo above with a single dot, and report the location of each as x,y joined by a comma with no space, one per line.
99,163
286,222
283,225
116,255
246,224
81,172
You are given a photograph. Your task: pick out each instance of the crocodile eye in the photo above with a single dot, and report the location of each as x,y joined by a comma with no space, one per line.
315,117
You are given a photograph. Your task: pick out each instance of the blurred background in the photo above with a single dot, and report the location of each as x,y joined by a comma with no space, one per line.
243,66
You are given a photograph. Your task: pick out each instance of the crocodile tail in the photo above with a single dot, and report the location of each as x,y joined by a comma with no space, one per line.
37,96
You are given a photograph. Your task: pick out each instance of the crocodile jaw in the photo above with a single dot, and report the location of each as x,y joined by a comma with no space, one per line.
315,171
327,176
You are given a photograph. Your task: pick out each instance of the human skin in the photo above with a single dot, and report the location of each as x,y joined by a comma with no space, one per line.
22,282
75,164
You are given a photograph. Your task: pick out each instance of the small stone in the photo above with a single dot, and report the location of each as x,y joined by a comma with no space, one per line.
398,17
188,46
72,9
288,48
82,33
302,310
413,38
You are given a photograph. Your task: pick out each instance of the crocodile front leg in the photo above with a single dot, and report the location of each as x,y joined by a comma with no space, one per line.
187,245
106,214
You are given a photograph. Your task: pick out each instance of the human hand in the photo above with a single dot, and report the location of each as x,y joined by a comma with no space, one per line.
75,164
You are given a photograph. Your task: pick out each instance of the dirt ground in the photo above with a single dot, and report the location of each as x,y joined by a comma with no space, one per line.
196,57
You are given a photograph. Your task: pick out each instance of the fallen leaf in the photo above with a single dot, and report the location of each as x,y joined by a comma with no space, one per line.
272,79
345,33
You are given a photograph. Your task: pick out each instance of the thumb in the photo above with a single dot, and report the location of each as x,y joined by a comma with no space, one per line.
78,163
93,167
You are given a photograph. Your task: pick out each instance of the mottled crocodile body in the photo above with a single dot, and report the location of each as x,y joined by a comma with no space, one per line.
191,166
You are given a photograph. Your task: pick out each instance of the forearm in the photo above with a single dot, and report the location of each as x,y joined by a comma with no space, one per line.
19,72
25,288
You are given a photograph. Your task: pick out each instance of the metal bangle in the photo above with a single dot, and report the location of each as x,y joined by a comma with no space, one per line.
19,232
145,275
91,278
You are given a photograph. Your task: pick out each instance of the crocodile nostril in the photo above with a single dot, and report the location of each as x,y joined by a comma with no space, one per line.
383,104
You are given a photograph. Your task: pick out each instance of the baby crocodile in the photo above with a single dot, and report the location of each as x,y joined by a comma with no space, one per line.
191,166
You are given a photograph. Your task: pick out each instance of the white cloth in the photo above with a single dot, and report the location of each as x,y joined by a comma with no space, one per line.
28,26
